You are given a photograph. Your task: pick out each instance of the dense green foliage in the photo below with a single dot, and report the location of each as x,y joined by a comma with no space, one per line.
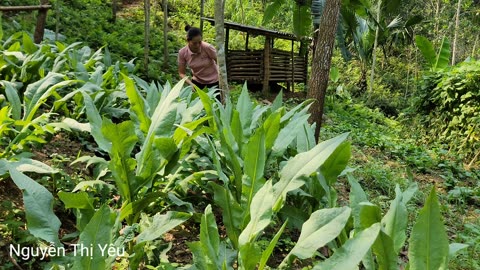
124,37
448,102
173,179
259,163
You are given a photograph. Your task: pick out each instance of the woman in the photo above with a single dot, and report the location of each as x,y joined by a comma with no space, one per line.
201,57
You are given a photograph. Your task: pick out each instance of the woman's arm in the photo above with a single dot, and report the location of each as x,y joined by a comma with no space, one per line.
182,71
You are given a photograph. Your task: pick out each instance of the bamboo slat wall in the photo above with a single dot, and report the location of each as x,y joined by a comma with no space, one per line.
249,66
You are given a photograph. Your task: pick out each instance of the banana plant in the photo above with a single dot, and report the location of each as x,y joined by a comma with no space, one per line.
435,61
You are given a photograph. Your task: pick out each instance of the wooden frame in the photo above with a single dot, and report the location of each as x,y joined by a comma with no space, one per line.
41,18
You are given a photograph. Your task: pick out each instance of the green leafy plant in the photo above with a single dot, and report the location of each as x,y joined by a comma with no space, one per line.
448,99
438,60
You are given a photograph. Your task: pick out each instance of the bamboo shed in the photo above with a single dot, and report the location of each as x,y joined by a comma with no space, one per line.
267,65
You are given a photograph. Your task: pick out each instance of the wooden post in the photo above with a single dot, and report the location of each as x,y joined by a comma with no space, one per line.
41,21
165,33
293,67
266,66
202,8
227,38
246,41
57,20
146,50
114,11
306,66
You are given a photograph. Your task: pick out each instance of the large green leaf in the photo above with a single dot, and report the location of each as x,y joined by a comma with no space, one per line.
153,93
254,166
79,200
137,105
395,221
232,212
25,165
443,55
260,214
288,134
237,130
271,10
35,92
82,205
75,125
298,111
1,30
305,138
95,237
162,119
322,227
349,255
208,106
336,163
383,246
199,259
208,251
209,234
426,48
249,256
277,103
185,130
302,20
122,138
95,121
34,105
245,110
303,165
28,44
272,129
13,98
357,194
428,248
162,224
38,202
268,251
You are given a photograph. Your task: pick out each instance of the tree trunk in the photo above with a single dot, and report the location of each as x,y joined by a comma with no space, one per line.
474,47
324,45
147,35
375,45
437,17
202,14
114,11
455,36
41,21
165,34
220,40
57,19
266,67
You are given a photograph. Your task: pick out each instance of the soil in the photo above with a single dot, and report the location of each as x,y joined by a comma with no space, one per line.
63,147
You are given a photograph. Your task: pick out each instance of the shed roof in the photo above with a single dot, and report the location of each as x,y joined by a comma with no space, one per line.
255,30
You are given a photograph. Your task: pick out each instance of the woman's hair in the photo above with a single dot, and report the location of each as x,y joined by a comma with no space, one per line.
192,32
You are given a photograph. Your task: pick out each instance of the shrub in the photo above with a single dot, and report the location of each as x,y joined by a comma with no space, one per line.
449,100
